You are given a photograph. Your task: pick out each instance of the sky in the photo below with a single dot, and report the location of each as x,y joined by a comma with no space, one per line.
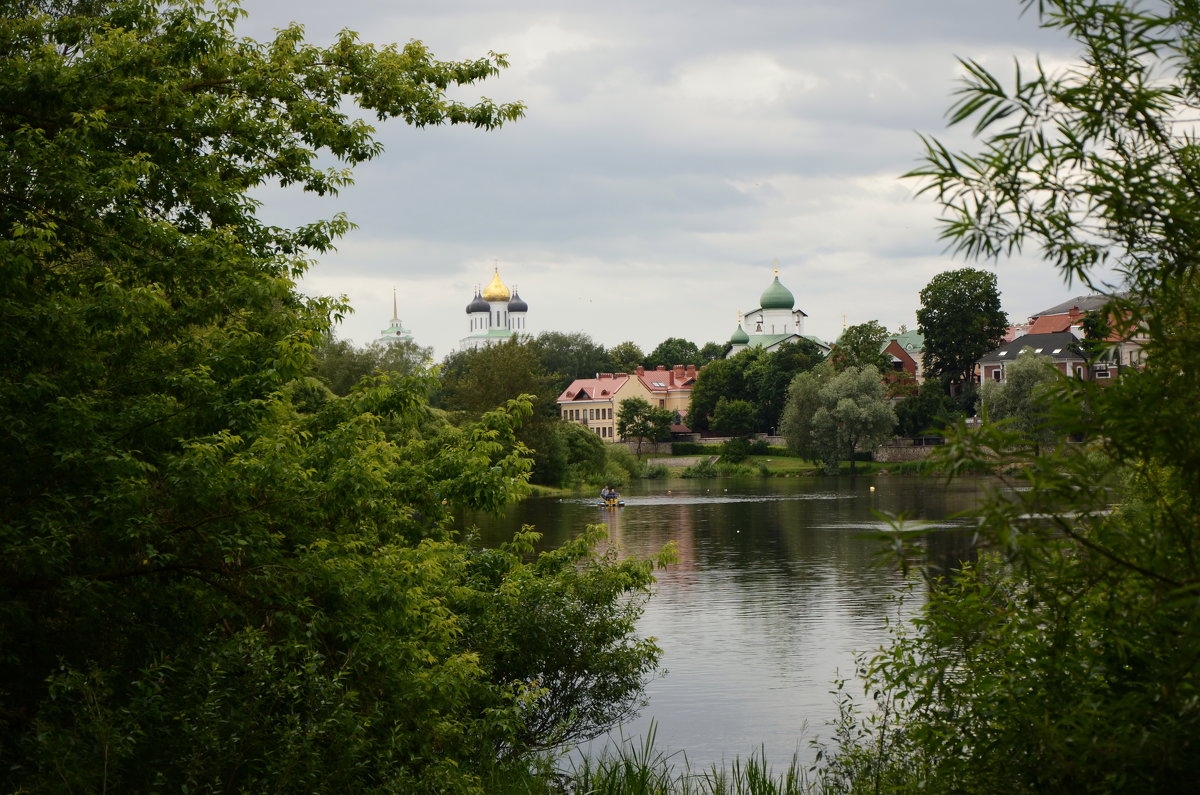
672,155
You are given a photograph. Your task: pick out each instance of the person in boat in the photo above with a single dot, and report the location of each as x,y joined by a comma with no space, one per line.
606,493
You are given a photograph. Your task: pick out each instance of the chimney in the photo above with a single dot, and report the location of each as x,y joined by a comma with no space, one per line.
641,370
660,368
678,372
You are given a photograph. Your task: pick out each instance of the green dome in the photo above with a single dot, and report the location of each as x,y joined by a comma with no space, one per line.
777,296
739,337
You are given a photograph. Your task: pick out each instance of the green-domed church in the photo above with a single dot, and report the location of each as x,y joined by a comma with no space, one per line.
774,322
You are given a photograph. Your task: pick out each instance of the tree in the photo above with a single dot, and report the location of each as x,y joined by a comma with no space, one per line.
710,352
724,378
768,377
341,365
803,402
673,351
734,418
570,356
215,574
832,414
1020,399
861,345
961,320
928,411
637,419
626,357
1063,659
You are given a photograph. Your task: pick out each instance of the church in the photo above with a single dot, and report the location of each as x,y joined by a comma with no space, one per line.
774,322
494,315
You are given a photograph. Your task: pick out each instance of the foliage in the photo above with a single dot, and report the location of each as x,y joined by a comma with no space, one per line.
341,364
637,419
473,381
724,378
752,375
1020,400
215,574
705,468
832,414
769,374
736,450
673,351
626,357
643,769
567,356
711,351
1065,659
734,418
861,345
581,456
928,411
961,320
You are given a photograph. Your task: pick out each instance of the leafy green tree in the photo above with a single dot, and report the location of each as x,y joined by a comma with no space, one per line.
930,410
803,402
832,414
567,356
673,351
1063,659
1020,399
961,320
477,380
637,419
769,375
724,378
861,345
734,417
711,351
341,364
215,574
626,357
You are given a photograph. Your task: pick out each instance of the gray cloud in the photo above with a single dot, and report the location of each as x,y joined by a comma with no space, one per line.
671,154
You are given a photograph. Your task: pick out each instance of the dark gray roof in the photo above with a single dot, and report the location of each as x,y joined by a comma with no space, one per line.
1059,345
1085,303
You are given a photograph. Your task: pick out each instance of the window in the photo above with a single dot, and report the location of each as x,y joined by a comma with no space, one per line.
1002,353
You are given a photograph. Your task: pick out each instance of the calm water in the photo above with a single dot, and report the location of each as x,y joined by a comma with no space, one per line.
775,590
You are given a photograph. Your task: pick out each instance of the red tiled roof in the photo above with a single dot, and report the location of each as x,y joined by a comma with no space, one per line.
604,386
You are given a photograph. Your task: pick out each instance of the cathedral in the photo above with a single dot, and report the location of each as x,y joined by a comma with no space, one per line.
494,315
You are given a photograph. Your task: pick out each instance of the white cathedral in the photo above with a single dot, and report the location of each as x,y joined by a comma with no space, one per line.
494,315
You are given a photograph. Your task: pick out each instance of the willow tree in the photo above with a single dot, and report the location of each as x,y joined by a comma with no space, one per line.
1064,660
215,574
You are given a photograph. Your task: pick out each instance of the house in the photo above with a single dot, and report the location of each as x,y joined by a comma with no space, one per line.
596,402
1125,349
906,352
1060,347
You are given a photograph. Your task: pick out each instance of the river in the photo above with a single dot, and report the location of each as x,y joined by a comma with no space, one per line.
775,590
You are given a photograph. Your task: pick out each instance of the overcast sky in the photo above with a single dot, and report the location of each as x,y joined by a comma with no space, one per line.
672,152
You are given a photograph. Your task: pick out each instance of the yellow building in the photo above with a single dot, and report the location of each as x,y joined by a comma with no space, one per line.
596,402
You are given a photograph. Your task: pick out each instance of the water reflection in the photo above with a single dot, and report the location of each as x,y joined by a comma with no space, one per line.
775,589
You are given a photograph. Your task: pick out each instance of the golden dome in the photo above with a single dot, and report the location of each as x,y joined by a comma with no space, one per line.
496,291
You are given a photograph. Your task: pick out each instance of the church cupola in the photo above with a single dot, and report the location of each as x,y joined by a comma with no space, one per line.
777,296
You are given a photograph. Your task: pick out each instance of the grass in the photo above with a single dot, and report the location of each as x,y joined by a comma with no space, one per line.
631,769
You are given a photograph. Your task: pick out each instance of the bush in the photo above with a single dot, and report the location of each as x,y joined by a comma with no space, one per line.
702,469
735,451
